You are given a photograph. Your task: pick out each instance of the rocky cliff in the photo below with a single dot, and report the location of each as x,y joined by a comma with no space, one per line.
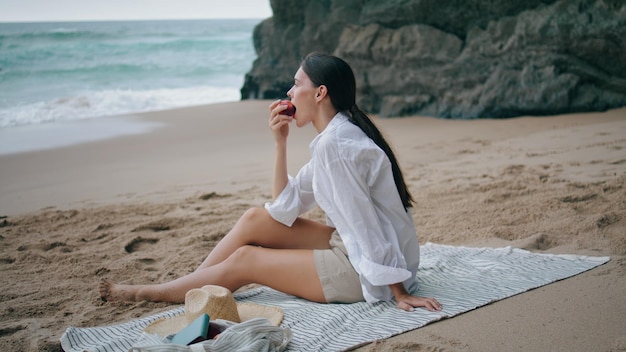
453,58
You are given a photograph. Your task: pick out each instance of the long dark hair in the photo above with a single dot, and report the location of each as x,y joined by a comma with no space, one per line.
337,76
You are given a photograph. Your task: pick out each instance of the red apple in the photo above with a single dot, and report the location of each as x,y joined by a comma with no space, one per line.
291,109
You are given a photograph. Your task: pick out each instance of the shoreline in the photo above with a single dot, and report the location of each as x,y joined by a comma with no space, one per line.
59,134
99,141
29,136
117,207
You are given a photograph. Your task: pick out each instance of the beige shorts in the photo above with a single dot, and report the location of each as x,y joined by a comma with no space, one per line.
340,281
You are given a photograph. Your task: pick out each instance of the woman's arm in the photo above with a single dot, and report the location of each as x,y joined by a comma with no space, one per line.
407,302
280,128
280,170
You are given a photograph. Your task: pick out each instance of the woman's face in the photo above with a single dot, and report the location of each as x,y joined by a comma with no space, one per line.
302,95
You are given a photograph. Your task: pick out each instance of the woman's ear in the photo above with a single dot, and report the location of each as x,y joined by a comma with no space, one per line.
322,91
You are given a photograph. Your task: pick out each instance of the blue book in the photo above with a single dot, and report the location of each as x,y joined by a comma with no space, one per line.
195,332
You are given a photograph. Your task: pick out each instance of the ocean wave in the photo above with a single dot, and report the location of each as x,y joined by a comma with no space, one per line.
62,34
136,30
113,102
55,34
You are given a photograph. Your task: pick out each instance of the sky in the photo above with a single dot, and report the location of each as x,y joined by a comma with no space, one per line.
89,10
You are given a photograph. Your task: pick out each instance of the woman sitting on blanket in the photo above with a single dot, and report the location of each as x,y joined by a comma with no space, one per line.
367,251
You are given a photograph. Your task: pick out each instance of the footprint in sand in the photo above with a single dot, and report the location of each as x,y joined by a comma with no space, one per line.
11,330
146,264
537,241
578,199
617,162
50,246
138,243
45,247
607,220
164,224
7,260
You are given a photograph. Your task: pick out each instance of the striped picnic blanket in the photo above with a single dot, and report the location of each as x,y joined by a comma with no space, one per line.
461,278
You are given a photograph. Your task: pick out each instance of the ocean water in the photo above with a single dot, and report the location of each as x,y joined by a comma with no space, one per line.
56,72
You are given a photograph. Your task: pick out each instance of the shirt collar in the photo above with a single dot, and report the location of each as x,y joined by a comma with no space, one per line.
336,121
339,118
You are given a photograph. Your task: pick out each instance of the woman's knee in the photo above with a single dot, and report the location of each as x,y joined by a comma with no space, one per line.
243,259
254,216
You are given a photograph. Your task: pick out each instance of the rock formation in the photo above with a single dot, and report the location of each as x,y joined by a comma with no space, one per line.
453,58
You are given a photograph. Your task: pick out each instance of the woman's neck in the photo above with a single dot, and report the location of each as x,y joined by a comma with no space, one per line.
323,117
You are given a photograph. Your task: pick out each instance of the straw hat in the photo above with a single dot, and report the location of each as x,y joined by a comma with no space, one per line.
218,302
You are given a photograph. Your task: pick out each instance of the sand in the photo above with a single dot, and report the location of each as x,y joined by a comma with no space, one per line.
148,207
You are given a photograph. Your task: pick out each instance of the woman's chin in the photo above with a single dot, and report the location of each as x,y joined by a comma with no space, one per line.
300,124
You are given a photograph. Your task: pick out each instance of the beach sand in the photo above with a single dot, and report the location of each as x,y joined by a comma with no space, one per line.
148,207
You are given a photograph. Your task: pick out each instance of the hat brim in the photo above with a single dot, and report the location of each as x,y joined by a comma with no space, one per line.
171,325
248,310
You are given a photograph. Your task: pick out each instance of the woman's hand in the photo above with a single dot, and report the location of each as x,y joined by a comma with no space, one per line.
407,302
279,123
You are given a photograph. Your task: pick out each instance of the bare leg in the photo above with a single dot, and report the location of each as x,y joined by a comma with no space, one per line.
288,268
257,227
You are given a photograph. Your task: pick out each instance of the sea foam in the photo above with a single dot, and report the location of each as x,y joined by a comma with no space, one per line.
113,102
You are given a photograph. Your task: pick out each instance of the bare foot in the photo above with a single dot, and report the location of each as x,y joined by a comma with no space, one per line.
116,292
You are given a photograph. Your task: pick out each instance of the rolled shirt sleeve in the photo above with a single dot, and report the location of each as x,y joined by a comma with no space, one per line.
295,199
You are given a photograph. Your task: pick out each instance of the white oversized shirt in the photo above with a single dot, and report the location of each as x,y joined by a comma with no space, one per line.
351,180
